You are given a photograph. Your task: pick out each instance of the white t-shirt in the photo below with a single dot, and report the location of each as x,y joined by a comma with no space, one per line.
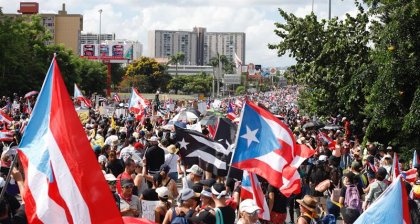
171,161
110,139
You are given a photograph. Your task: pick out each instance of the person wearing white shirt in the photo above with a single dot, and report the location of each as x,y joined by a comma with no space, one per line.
112,137
171,160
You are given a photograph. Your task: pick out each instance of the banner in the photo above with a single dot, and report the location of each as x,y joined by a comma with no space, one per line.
148,209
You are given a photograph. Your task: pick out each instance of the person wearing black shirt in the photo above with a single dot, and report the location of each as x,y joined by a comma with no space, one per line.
277,204
218,191
155,156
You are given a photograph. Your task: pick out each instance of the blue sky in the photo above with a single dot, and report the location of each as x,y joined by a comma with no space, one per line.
132,19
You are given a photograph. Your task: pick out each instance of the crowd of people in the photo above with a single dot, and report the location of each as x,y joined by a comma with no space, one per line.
140,160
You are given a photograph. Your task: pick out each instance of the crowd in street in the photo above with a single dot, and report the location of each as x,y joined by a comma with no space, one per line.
140,160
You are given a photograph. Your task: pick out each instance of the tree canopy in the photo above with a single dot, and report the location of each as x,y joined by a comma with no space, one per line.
147,75
25,59
363,66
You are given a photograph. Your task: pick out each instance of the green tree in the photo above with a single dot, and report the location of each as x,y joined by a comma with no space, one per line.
219,62
394,100
92,75
150,75
117,73
240,90
200,83
177,83
178,58
21,41
333,62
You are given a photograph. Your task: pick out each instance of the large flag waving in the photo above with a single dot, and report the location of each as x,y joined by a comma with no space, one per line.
64,183
137,102
267,147
390,208
79,96
196,148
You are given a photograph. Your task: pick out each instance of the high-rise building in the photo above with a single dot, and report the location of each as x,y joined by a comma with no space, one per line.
198,46
65,28
93,38
225,44
165,43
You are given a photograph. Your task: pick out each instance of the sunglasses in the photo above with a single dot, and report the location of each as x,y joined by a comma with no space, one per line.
112,183
254,213
129,186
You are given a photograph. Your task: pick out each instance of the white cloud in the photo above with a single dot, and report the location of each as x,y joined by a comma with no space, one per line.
132,19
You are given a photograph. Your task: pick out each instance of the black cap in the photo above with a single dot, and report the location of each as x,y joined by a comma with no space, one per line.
126,182
204,216
197,187
208,182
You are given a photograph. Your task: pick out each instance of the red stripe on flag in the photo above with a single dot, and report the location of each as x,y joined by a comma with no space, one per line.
80,159
263,169
54,194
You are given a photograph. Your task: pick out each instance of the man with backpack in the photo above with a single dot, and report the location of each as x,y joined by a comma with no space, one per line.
350,196
180,214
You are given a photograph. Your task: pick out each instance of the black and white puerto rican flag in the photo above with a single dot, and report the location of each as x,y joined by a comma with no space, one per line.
196,148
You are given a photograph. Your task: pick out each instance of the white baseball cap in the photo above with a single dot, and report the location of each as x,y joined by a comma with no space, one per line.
162,192
248,206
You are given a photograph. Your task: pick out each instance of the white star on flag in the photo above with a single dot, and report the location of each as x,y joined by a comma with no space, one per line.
250,136
183,144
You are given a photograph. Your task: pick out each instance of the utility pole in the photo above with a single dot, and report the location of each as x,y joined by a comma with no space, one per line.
329,9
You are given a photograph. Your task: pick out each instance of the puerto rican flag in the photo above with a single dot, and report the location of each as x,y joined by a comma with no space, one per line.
324,138
117,98
395,167
372,167
416,159
410,175
79,96
391,207
63,183
137,102
238,103
251,189
6,135
267,147
4,118
232,116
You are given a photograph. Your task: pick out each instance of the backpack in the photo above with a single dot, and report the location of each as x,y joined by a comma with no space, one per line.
352,198
329,219
182,217
310,220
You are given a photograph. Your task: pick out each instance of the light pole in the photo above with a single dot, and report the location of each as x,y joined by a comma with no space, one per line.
312,6
329,9
100,26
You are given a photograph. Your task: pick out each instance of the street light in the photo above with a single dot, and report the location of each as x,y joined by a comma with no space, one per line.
100,26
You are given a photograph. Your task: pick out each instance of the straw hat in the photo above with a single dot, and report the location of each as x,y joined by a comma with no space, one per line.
308,202
172,149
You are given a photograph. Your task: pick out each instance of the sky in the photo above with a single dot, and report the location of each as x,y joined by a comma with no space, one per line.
132,19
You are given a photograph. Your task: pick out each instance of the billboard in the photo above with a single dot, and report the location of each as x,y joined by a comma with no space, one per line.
107,52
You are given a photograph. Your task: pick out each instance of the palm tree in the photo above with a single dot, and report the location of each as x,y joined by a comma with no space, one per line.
175,59
218,61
